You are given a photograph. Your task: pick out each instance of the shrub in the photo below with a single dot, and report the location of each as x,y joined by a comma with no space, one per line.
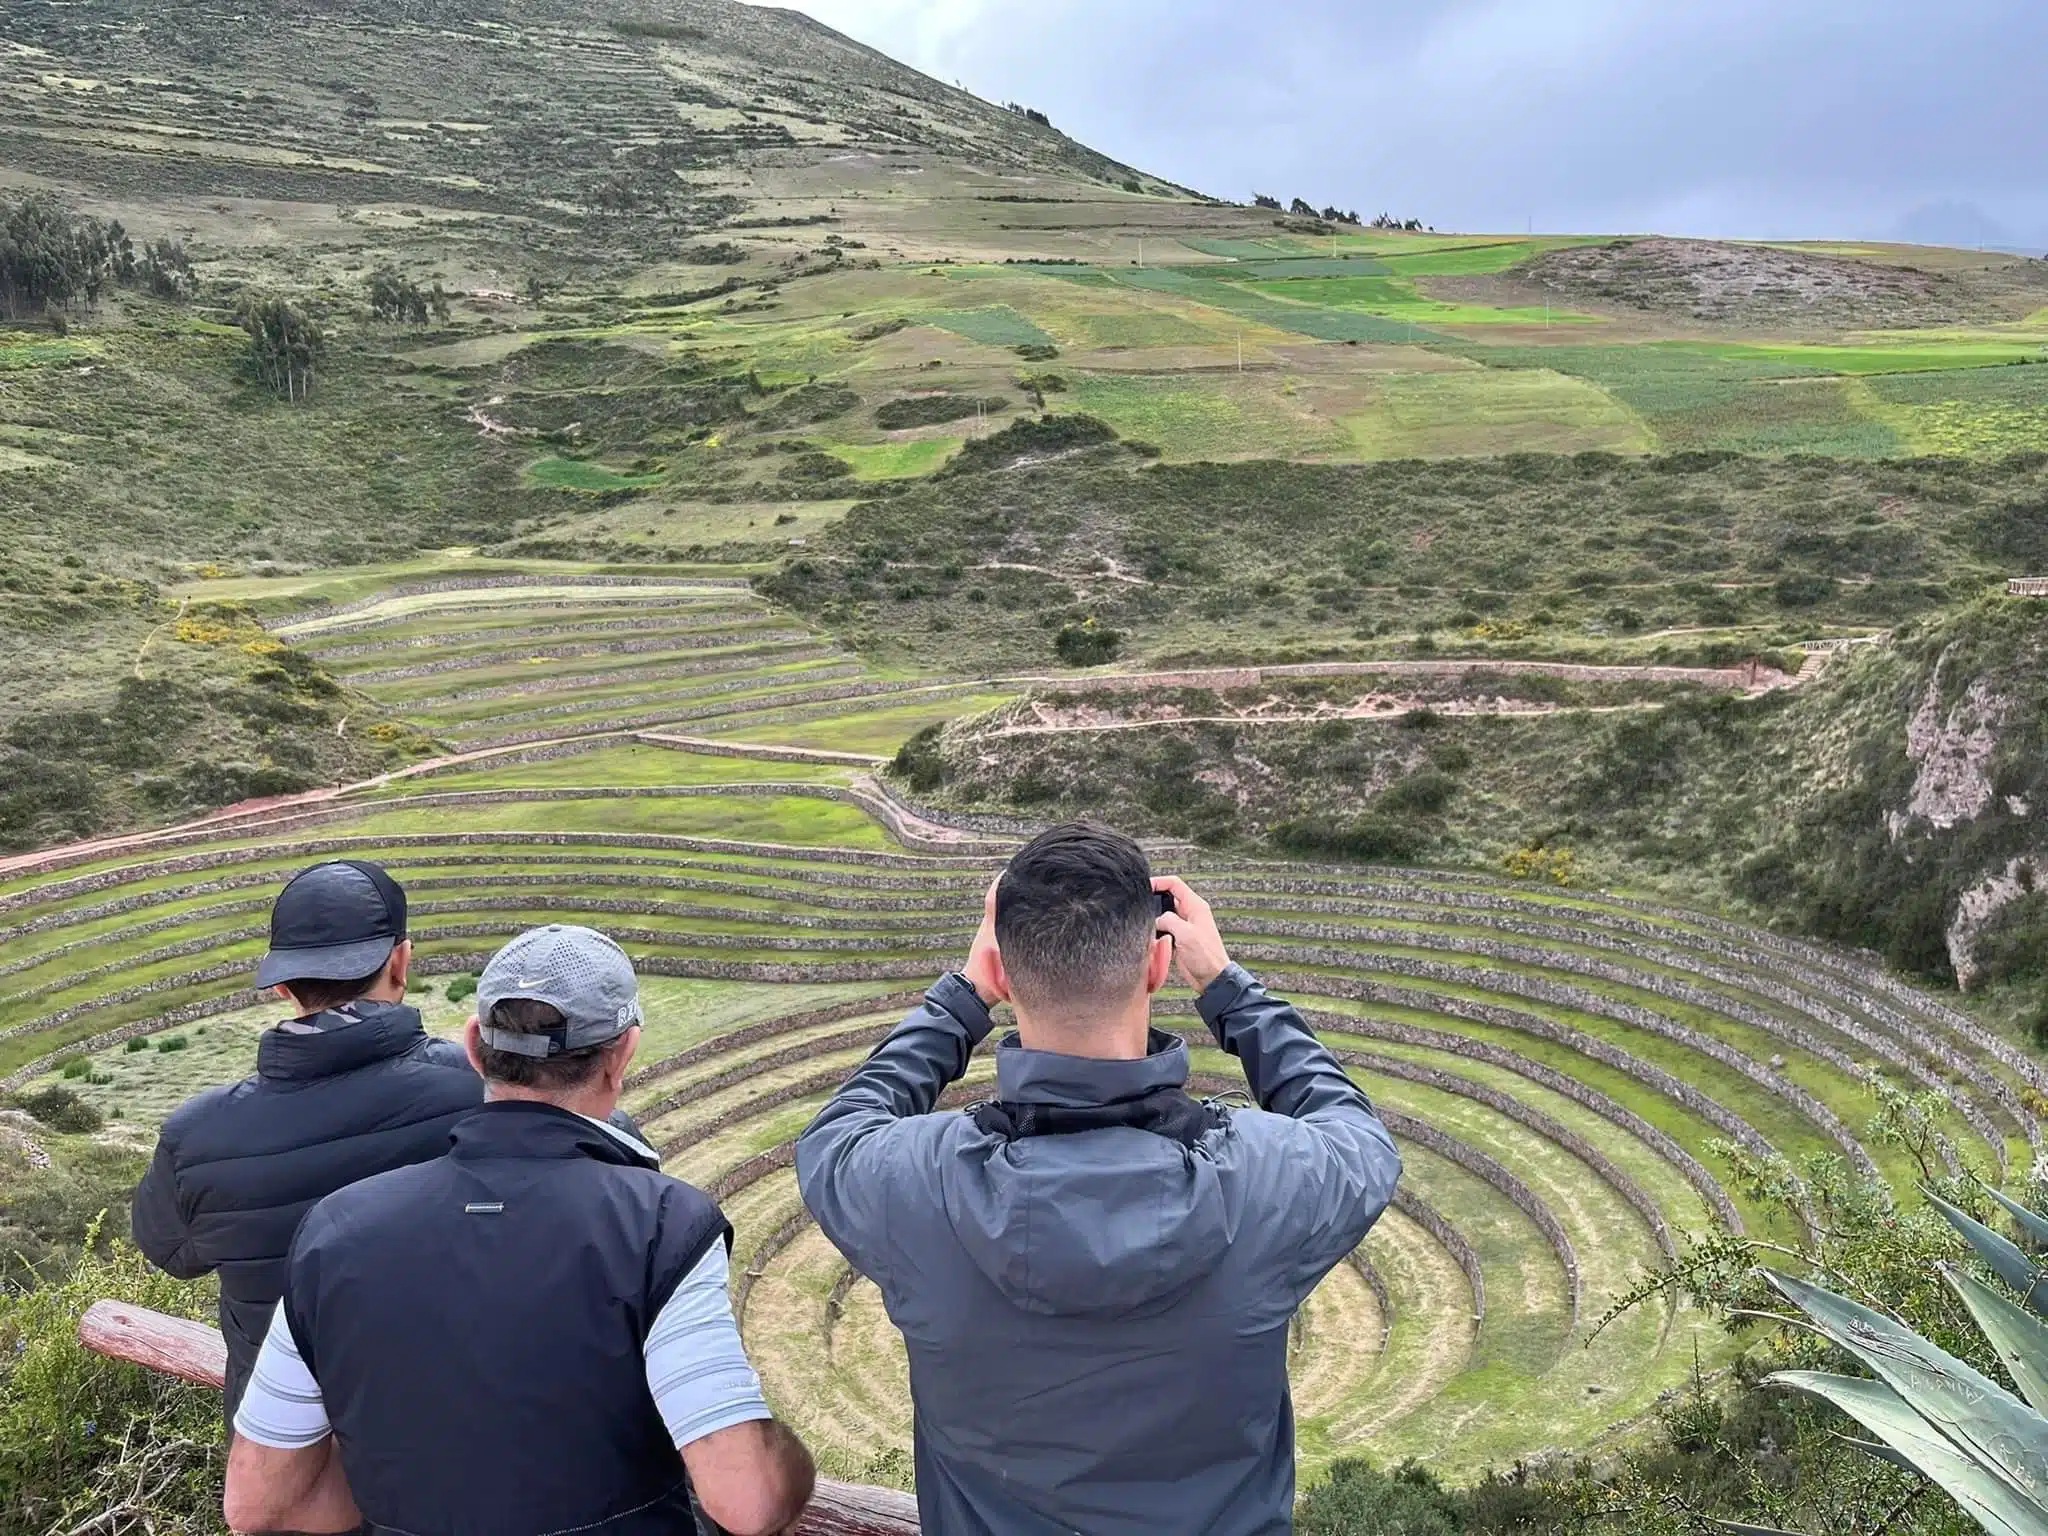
461,989
1425,793
1365,840
1357,1498
1537,863
1087,644
919,763
171,1043
136,1043
73,1066
1029,438
61,1109
933,410
89,1444
1802,591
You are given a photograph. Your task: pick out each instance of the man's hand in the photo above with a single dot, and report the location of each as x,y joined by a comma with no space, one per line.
984,968
1198,951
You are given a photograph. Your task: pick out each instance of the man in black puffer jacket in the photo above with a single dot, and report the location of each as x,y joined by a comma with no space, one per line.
352,1086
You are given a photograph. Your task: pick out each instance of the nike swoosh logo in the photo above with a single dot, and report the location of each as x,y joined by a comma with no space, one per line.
532,981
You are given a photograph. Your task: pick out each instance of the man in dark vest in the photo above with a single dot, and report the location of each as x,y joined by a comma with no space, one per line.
1094,1272
350,1086
531,1334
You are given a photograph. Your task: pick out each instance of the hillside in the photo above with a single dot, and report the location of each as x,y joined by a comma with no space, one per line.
1891,804
502,130
669,467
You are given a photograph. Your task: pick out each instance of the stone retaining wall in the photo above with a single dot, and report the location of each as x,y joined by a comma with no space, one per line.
691,615
1427,1217
1687,993
1375,1283
1542,1124
752,1171
1580,1000
744,644
315,847
768,711
490,583
709,746
757,1261
756,1066
1011,826
1361,990
1524,1199
668,696
768,1029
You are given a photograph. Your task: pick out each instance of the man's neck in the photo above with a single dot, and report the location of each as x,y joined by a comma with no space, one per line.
592,1102
1120,1034
383,993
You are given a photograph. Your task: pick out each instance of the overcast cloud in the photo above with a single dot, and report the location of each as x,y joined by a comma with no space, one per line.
1763,118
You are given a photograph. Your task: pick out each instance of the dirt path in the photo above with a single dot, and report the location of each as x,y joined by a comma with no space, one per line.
1377,708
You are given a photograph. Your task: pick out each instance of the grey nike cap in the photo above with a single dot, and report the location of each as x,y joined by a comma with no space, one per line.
578,971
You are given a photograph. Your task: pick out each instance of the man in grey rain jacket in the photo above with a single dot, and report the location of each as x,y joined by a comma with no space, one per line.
1094,1273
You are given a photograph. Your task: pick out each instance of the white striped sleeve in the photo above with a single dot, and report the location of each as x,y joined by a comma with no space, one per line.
696,1367
282,1408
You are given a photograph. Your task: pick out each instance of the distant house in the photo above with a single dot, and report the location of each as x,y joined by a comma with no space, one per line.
2027,586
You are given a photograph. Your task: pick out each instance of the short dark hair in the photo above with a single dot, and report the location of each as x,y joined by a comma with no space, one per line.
1074,915
550,1074
318,994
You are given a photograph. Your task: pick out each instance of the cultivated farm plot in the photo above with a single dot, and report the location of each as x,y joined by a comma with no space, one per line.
1555,1064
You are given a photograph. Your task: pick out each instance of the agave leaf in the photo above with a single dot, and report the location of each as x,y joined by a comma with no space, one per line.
1988,1425
1985,1497
2020,1338
2013,1267
2033,1223
1881,1451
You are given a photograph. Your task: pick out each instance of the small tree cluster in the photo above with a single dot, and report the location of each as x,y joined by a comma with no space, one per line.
1388,221
285,346
396,297
1031,114
1302,208
166,270
52,259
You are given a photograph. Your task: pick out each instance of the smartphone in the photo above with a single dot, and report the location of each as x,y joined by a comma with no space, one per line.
1163,901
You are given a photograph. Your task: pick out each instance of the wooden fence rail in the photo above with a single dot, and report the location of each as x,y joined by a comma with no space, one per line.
194,1352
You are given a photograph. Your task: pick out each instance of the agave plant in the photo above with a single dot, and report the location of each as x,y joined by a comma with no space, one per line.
1930,1412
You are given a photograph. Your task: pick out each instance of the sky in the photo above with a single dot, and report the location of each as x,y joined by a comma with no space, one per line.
1843,119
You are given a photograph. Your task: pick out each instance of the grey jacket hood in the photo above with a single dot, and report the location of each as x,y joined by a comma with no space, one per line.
1105,1223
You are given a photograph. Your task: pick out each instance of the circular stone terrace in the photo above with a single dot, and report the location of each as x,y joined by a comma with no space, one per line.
1558,1066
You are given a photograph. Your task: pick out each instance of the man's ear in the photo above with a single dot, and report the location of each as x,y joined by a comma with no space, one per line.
284,995
620,1059
473,1043
400,963
1158,964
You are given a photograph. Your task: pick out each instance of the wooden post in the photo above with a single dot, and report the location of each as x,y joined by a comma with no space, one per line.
196,1353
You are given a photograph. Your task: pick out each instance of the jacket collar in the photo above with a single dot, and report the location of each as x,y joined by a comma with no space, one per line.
524,1129
1081,1082
340,1040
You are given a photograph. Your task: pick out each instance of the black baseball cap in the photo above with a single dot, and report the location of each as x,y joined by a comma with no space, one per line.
334,922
